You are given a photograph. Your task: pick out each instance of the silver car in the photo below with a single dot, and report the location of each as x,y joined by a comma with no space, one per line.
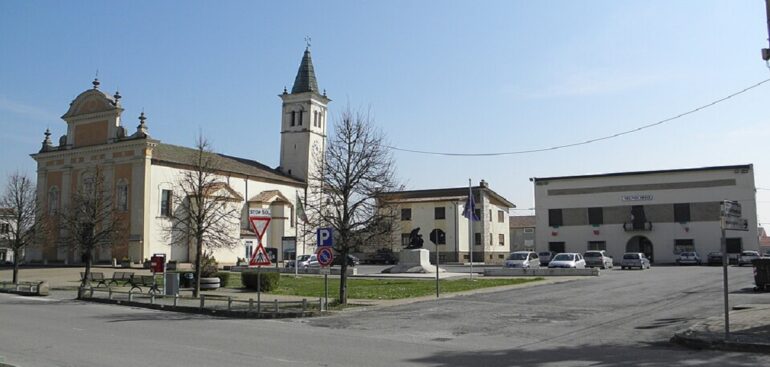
597,259
304,262
747,256
523,259
634,260
568,260
688,258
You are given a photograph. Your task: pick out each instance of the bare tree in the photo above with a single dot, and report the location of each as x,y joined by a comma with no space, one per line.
204,212
91,220
18,202
356,168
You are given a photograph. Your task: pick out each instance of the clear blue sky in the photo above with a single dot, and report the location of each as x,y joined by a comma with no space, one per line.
456,76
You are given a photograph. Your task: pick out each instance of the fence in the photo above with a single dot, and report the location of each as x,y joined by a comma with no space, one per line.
211,304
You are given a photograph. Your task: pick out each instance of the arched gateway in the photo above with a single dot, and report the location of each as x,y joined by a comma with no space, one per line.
640,244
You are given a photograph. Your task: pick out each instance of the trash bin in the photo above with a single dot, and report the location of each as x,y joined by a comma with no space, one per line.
171,281
187,280
761,273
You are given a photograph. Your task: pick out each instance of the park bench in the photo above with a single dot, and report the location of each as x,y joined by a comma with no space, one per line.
145,281
121,276
95,277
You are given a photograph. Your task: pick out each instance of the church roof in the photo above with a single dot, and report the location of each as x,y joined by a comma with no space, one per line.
176,155
305,80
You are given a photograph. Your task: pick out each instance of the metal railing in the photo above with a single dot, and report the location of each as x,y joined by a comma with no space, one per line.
205,302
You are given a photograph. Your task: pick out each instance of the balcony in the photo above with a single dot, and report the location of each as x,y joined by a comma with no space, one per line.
637,226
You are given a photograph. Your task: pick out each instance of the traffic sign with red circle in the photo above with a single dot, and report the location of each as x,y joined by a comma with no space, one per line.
325,256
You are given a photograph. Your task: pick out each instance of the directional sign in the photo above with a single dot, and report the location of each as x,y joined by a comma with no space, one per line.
324,237
325,256
732,217
259,257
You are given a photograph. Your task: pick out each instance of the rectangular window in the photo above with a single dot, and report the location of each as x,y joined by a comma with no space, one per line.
685,245
554,217
299,121
597,245
595,216
556,247
165,203
5,228
122,197
291,217
293,117
405,239
490,215
406,214
500,216
439,212
478,214
490,239
477,239
501,239
681,213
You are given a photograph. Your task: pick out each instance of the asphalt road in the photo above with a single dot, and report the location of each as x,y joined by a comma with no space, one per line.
620,318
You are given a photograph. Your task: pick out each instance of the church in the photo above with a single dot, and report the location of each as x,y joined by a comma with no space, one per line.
140,170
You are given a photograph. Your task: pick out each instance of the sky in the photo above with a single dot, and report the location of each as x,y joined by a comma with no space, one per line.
445,76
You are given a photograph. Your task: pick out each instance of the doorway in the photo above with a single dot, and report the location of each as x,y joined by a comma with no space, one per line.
641,244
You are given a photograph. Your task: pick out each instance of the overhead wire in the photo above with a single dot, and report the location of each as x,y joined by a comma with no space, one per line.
589,141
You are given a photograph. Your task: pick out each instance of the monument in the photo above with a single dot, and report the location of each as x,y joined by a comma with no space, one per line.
414,258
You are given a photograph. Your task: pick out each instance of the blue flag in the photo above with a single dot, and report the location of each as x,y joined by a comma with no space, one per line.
470,209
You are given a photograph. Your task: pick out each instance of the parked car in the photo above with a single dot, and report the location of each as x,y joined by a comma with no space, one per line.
523,259
597,259
691,258
304,262
746,257
352,260
714,258
568,260
383,256
545,257
634,260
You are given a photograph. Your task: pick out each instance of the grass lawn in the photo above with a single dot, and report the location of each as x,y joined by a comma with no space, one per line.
311,286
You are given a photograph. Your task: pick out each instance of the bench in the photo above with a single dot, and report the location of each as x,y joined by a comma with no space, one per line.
121,276
145,281
94,277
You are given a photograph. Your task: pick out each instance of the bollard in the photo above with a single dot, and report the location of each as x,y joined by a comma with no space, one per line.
251,304
276,307
130,294
109,293
304,306
203,302
320,304
176,297
229,303
152,298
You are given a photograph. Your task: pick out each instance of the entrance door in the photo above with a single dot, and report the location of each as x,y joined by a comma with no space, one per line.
557,247
641,244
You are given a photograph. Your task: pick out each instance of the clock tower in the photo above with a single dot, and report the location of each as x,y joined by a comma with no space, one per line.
303,123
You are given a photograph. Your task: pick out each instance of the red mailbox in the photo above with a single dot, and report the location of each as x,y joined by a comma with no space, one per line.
157,263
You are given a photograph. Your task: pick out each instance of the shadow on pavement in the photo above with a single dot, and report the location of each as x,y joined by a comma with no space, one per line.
658,354
152,316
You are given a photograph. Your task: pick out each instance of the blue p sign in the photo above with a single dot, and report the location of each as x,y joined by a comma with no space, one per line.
324,237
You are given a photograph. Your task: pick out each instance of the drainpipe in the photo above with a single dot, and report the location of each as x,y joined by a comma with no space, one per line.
457,232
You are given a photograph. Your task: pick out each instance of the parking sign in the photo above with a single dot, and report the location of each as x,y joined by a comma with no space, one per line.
324,237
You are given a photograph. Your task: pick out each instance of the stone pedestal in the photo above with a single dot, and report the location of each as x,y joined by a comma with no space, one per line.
413,261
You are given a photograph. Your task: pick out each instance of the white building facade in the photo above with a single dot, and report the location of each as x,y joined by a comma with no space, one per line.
143,172
442,210
659,213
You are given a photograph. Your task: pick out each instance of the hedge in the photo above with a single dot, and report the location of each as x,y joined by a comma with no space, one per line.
224,278
269,281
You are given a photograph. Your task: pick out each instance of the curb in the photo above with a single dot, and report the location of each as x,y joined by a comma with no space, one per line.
209,312
690,339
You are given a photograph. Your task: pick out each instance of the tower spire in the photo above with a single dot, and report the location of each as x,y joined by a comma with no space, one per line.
305,80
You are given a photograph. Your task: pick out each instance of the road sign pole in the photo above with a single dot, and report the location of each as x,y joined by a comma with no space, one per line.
437,286
259,286
724,280
326,291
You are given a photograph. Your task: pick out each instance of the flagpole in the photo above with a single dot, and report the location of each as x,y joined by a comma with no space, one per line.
470,225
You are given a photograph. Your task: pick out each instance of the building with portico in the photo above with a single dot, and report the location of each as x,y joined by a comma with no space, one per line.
660,213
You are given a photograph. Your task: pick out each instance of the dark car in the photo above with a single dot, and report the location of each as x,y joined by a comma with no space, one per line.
714,258
352,260
545,257
383,256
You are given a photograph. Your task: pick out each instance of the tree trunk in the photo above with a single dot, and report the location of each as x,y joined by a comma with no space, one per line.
344,280
15,267
198,255
87,275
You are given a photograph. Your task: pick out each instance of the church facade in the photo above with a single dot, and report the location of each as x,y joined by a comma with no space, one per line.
141,173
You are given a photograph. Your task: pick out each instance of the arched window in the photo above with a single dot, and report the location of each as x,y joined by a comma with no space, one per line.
122,196
293,117
53,200
299,123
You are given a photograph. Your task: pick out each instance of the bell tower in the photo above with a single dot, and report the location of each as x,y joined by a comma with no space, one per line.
303,123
